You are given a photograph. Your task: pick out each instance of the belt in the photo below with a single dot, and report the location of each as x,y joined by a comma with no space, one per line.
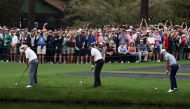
174,65
33,60
99,60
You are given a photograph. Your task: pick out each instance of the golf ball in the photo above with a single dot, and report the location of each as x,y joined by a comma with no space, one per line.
156,88
16,84
81,82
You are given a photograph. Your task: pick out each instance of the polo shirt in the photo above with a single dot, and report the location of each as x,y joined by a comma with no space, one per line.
170,58
30,54
96,53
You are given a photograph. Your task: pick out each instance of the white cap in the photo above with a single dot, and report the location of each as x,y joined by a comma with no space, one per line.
24,46
163,50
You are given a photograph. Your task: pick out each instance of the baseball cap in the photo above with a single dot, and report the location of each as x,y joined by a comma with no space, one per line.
163,50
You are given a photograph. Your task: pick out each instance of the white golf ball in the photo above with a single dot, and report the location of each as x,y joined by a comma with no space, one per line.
16,84
156,88
81,82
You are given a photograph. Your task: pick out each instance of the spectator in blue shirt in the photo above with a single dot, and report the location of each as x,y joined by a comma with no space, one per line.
142,51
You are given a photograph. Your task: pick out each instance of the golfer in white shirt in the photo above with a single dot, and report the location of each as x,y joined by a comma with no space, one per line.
32,63
98,62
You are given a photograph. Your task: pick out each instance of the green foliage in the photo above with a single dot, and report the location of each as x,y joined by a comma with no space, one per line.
80,12
9,11
102,12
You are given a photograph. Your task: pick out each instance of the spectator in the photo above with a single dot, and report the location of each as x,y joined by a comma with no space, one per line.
122,52
31,40
58,47
150,43
142,51
188,48
41,46
50,47
110,53
157,38
70,45
80,43
6,45
64,48
21,42
1,43
132,51
13,50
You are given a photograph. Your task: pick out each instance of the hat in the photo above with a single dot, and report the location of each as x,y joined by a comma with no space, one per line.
141,40
24,46
162,51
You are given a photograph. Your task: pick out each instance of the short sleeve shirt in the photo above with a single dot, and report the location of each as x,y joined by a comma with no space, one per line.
170,58
96,53
30,54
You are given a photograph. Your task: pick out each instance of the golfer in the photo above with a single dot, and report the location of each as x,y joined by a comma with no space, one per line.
32,62
172,67
97,62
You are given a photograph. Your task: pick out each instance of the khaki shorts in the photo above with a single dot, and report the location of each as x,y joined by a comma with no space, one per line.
41,50
70,50
13,50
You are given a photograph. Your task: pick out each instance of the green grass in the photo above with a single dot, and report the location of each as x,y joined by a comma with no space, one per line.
67,89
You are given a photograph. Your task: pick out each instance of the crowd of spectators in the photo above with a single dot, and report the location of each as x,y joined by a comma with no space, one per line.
118,44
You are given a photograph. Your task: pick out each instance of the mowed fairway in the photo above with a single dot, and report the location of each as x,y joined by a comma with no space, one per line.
54,86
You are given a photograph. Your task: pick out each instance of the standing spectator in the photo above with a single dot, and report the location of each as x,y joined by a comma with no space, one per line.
13,50
176,40
171,69
6,45
80,42
1,43
41,46
21,42
150,43
50,47
64,48
31,40
70,45
91,39
142,51
58,47
188,48
157,38
182,45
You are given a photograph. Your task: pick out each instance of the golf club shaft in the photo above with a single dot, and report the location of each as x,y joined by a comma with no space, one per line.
21,76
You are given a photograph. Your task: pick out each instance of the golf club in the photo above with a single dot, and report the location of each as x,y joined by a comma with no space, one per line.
17,83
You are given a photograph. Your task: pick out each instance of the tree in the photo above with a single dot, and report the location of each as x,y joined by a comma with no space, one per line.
9,12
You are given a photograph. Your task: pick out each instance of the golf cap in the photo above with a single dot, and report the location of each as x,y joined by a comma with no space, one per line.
24,46
162,51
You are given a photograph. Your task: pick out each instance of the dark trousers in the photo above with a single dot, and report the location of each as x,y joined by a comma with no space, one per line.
5,53
99,64
122,57
50,53
173,70
1,53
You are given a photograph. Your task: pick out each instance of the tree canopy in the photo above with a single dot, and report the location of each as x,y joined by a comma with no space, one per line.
103,12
